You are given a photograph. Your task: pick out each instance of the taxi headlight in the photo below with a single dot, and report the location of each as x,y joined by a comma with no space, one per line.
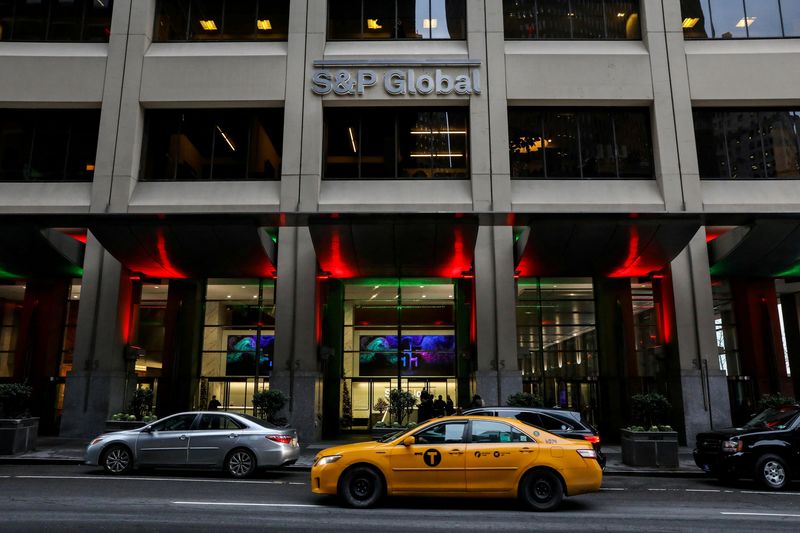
327,460
95,441
587,454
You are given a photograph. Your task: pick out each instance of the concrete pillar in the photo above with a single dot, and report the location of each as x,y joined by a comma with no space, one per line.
790,305
183,346
497,375
295,369
703,384
100,382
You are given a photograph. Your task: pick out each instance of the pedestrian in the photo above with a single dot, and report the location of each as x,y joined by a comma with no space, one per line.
214,404
449,408
439,407
423,413
477,401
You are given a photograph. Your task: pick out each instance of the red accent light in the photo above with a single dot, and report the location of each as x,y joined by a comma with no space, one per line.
135,278
594,439
634,264
460,260
280,439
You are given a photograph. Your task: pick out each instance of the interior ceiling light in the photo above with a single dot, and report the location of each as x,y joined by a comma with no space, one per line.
90,168
430,23
690,22
372,24
264,24
438,132
208,25
443,154
748,21
621,15
227,140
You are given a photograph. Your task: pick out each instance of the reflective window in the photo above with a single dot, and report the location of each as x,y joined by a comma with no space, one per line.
212,144
740,19
450,433
390,143
571,19
484,431
220,422
222,20
748,144
48,145
397,19
55,20
174,423
581,143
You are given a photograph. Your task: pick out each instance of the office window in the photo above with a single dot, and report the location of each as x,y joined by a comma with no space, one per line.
740,19
222,20
212,144
386,143
748,144
48,145
580,143
55,20
571,19
397,19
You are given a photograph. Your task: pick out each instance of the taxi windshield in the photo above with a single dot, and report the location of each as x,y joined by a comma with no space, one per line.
774,418
393,435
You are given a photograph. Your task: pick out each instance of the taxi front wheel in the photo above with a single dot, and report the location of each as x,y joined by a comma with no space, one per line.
361,487
541,490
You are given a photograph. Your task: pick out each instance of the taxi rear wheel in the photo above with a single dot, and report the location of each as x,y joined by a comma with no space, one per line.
361,487
541,490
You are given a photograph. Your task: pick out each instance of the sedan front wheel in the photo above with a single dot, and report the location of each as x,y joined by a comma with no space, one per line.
117,459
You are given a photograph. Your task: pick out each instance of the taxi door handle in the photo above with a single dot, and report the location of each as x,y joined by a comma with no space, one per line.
456,452
526,450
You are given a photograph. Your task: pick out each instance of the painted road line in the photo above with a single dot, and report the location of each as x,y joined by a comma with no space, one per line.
607,488
114,478
763,514
770,493
658,490
243,504
702,490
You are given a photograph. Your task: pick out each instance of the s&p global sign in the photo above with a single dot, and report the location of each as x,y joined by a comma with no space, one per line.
423,78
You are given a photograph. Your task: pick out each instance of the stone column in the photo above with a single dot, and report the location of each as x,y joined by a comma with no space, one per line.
703,384
295,369
183,338
100,381
497,373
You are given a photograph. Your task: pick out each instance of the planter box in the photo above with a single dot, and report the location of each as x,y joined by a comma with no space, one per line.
123,425
18,435
645,448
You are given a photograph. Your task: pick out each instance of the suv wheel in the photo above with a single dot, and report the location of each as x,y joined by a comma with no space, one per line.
772,473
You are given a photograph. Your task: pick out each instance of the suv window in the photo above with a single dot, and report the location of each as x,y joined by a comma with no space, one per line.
452,432
554,424
484,431
174,423
221,422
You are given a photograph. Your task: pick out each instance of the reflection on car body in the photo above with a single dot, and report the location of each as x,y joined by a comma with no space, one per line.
461,456
239,444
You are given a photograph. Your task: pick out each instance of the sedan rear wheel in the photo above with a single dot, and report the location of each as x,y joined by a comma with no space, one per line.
117,459
541,490
240,463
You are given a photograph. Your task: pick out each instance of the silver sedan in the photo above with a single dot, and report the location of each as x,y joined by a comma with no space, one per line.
239,444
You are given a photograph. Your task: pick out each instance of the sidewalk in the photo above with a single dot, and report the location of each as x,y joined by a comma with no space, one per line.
61,451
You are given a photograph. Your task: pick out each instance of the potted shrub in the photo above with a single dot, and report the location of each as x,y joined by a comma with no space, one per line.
268,403
650,441
18,430
401,404
524,399
139,413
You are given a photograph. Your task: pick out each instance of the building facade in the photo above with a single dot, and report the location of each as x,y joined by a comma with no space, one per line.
583,200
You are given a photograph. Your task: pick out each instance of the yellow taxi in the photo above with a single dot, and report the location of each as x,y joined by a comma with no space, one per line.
472,456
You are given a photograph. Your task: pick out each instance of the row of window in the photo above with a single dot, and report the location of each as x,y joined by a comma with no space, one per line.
253,20
400,143
740,19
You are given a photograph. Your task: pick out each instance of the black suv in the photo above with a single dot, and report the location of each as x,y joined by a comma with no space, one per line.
766,449
566,424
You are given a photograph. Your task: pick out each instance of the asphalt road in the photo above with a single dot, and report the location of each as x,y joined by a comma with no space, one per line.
77,498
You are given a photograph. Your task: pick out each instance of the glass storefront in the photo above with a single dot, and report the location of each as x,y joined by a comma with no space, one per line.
740,19
557,337
396,334
239,330
571,19
222,20
397,19
55,20
12,295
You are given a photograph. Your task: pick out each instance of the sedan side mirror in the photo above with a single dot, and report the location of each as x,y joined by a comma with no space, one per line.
408,441
147,429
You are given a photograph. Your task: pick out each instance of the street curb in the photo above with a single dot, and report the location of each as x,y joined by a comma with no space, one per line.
32,461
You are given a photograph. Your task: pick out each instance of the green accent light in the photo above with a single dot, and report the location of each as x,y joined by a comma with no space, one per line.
8,275
790,273
402,282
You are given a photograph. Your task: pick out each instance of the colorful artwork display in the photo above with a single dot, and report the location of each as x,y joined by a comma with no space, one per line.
241,358
419,355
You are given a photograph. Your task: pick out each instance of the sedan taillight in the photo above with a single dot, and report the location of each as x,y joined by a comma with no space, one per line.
281,439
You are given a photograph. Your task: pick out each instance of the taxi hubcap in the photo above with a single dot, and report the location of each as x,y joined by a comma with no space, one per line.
362,488
240,464
541,490
774,473
117,460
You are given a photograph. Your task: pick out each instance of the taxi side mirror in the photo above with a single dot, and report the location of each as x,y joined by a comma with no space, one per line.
408,441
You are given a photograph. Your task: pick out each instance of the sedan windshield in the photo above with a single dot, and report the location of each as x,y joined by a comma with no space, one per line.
774,418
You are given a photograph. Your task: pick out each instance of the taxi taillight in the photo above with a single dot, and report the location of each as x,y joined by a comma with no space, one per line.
594,439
